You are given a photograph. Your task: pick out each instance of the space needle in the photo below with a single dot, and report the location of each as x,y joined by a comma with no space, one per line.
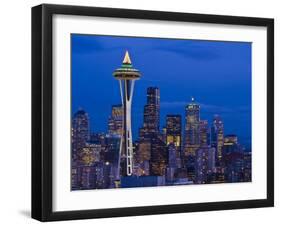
127,75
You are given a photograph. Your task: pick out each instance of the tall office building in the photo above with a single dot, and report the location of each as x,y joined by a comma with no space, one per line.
204,164
172,156
111,151
151,148
172,166
173,130
82,155
115,121
153,96
80,132
174,135
159,156
126,75
192,128
247,166
151,119
204,133
217,136
233,160
234,168
144,150
90,154
230,145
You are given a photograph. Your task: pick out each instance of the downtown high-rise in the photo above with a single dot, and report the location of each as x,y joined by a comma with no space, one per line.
80,132
151,113
115,121
174,138
152,148
173,130
217,136
192,128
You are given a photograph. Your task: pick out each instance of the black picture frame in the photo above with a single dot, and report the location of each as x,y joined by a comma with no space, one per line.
42,111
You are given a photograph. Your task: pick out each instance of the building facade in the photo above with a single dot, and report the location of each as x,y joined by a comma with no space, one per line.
151,113
115,121
192,128
80,132
205,165
173,130
217,136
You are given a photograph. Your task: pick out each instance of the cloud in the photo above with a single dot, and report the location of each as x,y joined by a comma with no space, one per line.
173,104
86,44
207,108
191,50
216,109
151,80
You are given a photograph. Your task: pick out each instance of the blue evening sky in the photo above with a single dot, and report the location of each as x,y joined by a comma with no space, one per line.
216,73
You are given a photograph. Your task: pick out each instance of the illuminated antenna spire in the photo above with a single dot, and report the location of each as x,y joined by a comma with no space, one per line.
127,59
192,99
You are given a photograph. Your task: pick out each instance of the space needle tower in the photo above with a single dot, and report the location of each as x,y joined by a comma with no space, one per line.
127,75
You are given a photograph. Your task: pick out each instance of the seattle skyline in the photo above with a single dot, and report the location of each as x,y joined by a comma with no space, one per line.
226,89
199,153
186,150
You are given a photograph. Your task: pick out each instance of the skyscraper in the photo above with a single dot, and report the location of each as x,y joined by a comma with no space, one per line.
230,145
127,76
172,165
151,144
115,121
151,120
233,159
173,130
174,135
159,156
247,166
143,150
204,164
81,159
204,133
111,152
192,128
217,136
90,154
80,132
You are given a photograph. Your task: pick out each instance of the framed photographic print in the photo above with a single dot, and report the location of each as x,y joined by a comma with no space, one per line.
145,112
